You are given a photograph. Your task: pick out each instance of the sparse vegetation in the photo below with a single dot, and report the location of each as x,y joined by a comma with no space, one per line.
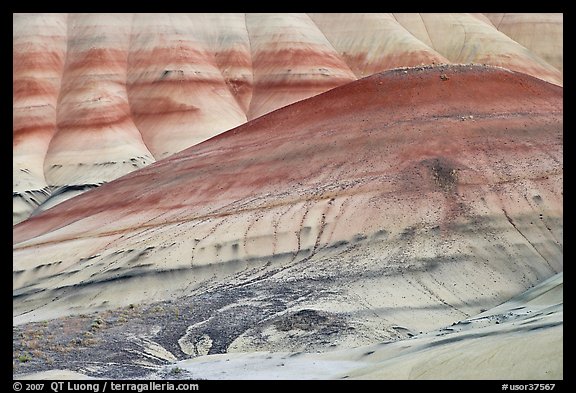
96,324
176,371
23,358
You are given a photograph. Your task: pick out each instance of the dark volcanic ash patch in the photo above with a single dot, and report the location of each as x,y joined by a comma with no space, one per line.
323,322
117,343
444,173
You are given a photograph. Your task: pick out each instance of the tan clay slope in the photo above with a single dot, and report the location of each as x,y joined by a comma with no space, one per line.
370,43
99,95
396,204
520,339
39,47
95,128
291,60
542,34
178,90
467,38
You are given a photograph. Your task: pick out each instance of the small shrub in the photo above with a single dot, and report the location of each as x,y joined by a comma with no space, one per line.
176,370
96,324
23,358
